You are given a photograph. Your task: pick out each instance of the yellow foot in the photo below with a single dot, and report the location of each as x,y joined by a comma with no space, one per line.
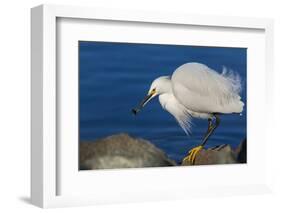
192,154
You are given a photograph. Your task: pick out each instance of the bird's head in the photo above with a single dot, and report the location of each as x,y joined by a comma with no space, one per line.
158,86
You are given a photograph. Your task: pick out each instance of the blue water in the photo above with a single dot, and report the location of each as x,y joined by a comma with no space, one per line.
114,77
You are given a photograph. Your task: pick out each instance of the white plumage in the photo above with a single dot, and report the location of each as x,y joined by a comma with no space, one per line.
195,90
202,89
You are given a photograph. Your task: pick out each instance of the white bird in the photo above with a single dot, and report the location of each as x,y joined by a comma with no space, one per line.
195,90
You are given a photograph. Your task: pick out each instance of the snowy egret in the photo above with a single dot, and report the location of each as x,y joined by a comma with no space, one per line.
195,90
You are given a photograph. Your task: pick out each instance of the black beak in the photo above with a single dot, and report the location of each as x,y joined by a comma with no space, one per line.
142,104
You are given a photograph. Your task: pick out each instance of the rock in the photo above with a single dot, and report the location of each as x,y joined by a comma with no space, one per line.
217,155
241,152
222,154
121,151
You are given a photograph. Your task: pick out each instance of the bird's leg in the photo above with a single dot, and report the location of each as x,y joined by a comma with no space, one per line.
193,152
211,129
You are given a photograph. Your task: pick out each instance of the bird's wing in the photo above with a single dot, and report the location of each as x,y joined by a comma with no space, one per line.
202,89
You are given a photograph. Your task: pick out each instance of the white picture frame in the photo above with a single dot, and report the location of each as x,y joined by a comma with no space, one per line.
44,149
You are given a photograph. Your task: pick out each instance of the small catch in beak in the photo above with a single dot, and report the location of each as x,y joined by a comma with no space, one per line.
135,111
143,103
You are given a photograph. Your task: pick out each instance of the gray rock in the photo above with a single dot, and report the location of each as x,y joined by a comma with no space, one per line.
217,155
121,151
241,152
222,154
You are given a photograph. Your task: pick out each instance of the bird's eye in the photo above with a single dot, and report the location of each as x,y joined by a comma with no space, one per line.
154,90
